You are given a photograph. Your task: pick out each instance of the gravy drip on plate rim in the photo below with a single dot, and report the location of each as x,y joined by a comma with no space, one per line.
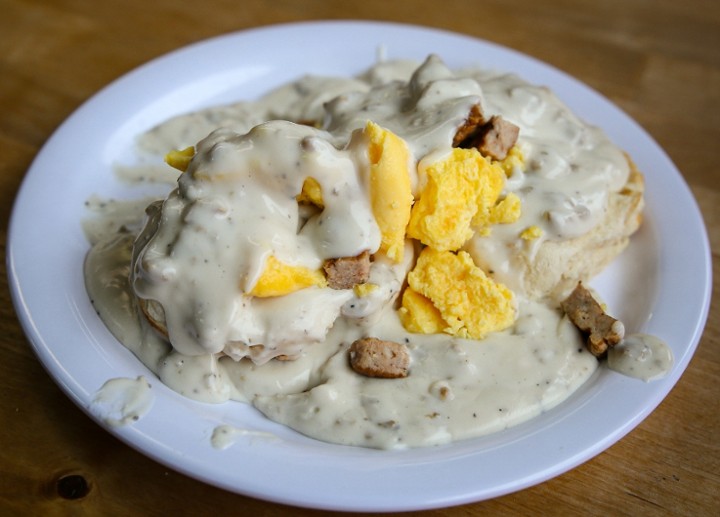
122,401
642,356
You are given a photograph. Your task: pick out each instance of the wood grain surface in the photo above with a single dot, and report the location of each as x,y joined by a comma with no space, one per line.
658,60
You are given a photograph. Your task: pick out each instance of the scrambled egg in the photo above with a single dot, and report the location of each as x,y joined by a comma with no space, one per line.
390,187
461,194
531,232
361,290
515,159
311,193
448,293
278,279
180,159
419,315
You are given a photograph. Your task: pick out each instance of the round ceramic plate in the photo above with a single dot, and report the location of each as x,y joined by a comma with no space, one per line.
643,287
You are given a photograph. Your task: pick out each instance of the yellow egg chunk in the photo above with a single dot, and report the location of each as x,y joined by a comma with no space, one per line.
390,188
515,159
279,279
531,232
419,315
180,159
457,188
311,193
365,289
471,303
505,211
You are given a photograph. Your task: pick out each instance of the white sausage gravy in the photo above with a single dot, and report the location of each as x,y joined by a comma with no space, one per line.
199,251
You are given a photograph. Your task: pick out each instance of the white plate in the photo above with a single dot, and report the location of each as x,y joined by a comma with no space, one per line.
661,285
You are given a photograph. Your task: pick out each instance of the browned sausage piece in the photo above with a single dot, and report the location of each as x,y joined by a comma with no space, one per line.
497,138
345,272
374,357
585,312
470,129
493,138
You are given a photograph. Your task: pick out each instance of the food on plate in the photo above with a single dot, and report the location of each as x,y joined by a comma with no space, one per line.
390,188
459,197
348,272
377,358
602,330
377,261
448,293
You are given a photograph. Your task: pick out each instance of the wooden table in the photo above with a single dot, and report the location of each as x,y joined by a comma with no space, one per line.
659,61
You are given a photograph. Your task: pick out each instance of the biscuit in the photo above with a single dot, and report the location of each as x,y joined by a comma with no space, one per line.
557,266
